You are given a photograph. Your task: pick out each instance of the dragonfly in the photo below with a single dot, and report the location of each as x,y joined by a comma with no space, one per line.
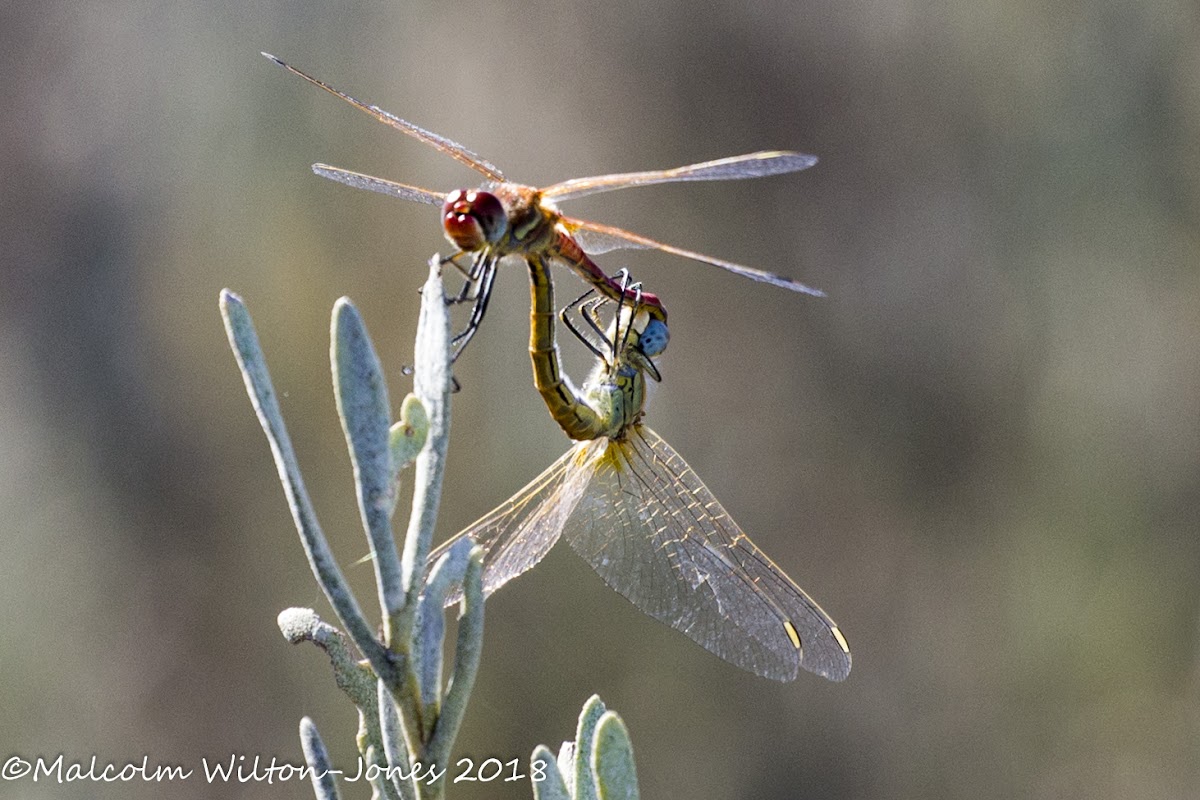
636,512
503,218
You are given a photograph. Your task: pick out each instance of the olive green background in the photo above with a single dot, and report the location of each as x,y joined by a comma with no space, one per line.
981,453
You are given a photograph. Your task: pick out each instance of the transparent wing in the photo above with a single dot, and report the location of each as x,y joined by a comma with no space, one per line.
447,146
518,533
595,239
751,165
655,533
373,184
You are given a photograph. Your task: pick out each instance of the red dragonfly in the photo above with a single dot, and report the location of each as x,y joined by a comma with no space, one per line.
504,218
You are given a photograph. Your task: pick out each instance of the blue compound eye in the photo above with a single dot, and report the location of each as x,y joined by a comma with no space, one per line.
653,340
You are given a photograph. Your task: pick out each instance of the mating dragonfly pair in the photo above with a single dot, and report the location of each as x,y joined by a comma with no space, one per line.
622,497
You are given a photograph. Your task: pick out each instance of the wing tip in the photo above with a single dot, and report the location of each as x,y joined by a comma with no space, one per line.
838,675
839,669
805,160
792,284
835,670
326,171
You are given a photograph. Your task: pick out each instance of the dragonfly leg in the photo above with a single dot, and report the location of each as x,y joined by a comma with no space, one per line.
579,334
480,291
476,288
620,289
603,346
453,261
470,276
590,311
574,256
652,340
621,336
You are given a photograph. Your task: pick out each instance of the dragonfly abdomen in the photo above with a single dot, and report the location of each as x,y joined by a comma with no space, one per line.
577,419
570,253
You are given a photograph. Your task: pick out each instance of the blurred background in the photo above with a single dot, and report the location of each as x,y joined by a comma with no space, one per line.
981,453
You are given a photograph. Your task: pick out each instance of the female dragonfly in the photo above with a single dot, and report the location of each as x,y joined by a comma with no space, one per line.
633,509
504,218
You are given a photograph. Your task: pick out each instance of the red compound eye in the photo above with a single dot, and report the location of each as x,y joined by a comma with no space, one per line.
473,219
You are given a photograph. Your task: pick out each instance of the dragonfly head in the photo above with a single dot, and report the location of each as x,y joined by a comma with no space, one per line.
473,219
634,350
638,351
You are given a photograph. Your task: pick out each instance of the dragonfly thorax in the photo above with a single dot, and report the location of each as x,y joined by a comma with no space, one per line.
617,396
530,219
616,389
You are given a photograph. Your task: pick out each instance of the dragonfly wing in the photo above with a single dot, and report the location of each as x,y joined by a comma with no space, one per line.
595,238
518,533
655,533
596,241
751,165
447,146
373,184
